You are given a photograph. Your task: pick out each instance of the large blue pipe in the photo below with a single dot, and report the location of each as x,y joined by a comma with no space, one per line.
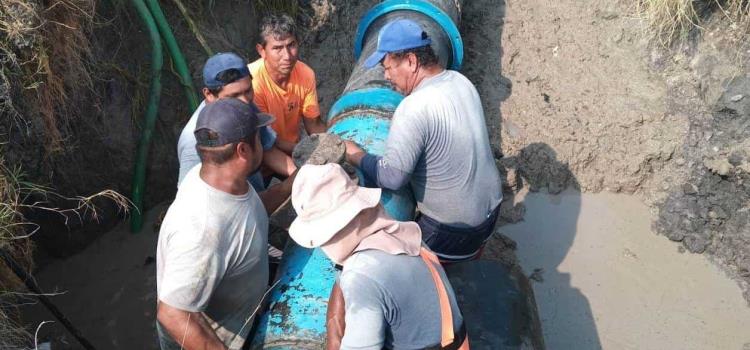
296,315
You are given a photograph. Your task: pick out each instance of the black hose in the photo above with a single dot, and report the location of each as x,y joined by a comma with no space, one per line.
34,288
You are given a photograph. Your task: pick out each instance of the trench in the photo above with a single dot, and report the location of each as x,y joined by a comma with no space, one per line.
600,275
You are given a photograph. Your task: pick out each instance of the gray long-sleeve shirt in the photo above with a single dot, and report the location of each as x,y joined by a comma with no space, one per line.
438,142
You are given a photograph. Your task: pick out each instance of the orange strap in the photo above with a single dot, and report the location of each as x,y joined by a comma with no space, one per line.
446,315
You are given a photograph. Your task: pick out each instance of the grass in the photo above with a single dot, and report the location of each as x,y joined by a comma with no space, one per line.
671,20
44,61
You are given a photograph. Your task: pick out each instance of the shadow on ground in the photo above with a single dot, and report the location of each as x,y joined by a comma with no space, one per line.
563,309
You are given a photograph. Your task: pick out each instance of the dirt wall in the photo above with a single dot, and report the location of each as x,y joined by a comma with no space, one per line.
570,81
101,137
626,114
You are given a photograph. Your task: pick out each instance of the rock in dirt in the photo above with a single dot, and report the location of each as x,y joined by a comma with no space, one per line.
719,166
512,213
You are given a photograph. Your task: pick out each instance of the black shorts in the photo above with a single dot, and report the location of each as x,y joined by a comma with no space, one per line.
453,244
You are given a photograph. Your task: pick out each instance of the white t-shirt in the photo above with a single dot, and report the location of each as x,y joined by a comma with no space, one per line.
211,256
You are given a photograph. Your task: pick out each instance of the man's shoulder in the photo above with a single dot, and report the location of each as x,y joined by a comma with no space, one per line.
186,141
255,67
189,127
304,69
372,264
304,74
446,80
184,223
440,90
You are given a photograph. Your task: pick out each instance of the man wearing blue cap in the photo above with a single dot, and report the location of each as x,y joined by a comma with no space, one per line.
226,75
437,142
211,261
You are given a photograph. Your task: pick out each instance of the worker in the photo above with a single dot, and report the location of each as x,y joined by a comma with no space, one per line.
284,86
437,142
397,295
212,266
226,75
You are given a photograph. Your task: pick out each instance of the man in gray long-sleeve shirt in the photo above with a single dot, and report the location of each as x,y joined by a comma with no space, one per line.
438,143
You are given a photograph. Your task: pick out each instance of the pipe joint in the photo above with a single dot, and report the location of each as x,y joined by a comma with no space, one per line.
423,7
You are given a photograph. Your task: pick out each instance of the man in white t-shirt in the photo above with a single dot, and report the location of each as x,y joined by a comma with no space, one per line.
212,266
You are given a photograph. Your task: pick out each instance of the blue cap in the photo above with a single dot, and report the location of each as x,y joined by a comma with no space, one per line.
226,121
220,63
399,35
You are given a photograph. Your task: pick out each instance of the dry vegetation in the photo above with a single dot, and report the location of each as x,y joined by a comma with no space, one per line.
45,57
671,20
44,61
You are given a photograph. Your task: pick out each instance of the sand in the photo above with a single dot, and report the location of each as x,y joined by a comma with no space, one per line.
608,282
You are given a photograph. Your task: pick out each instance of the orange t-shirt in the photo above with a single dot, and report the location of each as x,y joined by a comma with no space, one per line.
299,99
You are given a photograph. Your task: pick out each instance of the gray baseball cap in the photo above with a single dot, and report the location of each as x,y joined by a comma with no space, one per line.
226,121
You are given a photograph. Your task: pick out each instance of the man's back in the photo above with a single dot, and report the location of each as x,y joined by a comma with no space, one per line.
439,130
391,301
211,256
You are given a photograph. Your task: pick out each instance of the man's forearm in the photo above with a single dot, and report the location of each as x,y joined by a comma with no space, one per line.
286,146
188,329
279,162
276,195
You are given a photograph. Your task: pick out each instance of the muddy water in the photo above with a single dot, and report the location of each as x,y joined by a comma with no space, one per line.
604,280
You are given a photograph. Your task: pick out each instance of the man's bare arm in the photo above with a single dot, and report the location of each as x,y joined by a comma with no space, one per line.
278,161
286,146
335,322
277,194
314,125
188,329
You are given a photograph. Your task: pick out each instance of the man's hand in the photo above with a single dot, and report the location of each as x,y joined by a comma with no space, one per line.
188,329
354,153
314,125
278,162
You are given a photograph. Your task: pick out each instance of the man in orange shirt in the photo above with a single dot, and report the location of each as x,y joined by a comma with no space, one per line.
283,86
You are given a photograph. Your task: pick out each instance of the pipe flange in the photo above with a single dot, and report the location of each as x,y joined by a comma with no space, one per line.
423,7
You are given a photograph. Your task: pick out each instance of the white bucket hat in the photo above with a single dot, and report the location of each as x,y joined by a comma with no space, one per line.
326,200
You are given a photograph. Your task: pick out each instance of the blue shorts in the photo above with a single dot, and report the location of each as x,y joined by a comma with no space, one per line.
452,244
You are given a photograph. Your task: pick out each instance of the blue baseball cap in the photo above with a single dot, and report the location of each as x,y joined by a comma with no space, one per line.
220,63
399,35
226,121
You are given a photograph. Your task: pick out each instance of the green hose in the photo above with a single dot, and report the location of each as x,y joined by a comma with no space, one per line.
157,61
174,50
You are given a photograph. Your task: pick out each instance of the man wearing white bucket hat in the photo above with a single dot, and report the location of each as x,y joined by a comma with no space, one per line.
396,293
